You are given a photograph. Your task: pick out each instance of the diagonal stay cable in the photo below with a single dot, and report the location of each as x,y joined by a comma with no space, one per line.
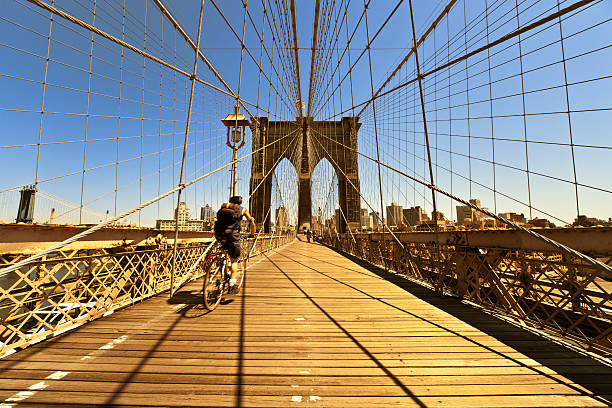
366,48
243,46
132,48
485,47
563,248
432,27
380,219
114,219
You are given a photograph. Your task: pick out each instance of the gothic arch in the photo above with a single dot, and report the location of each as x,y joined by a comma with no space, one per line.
305,143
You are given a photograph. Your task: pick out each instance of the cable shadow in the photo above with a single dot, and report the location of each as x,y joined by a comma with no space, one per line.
22,354
240,374
596,377
117,392
343,267
380,365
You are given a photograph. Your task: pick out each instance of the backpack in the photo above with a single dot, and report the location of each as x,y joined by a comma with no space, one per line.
228,217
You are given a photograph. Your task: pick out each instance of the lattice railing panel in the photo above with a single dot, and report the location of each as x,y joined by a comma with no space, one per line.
547,290
50,296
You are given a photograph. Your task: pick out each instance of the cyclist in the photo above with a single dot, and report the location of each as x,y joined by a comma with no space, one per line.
227,231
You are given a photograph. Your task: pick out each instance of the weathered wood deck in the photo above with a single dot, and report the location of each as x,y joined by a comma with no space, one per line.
313,328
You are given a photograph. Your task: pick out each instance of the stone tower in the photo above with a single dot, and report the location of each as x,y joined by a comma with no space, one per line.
305,143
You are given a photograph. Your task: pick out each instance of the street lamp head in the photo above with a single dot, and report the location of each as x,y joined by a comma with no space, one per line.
235,119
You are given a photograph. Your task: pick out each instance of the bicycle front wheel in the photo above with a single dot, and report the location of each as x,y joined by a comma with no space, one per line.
212,292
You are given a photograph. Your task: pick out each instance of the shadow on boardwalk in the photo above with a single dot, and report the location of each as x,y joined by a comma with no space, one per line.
579,368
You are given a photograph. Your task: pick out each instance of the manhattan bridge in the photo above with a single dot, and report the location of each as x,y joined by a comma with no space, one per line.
452,158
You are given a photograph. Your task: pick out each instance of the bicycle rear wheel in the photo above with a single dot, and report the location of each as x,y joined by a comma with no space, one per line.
212,291
240,275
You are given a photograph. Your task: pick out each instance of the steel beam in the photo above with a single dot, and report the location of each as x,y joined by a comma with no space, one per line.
31,239
595,241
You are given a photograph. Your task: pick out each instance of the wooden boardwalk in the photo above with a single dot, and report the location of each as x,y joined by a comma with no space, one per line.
312,329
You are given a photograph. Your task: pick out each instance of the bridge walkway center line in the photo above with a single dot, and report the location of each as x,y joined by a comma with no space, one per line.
312,328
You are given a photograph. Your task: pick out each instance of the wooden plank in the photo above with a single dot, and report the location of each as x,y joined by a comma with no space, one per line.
310,325
180,400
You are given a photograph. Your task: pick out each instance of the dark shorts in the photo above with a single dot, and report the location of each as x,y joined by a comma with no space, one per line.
230,242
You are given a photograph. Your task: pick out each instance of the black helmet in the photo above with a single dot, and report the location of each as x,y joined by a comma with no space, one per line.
236,200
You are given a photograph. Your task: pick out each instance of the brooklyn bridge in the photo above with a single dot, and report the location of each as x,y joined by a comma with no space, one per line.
429,181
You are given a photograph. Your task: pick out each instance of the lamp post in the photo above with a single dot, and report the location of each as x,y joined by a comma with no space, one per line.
235,123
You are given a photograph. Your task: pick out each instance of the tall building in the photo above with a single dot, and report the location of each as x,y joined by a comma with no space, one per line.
468,215
394,214
464,214
366,219
184,223
207,213
320,220
414,216
375,215
181,212
282,217
439,215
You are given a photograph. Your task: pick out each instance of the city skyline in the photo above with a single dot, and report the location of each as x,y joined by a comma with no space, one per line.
480,143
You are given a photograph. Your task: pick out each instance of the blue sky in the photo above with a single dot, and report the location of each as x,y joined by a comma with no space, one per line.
135,146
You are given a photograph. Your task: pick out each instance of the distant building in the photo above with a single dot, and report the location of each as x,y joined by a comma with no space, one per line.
514,217
430,225
466,215
413,216
375,219
331,223
184,223
541,223
282,217
394,214
182,212
207,213
584,221
366,219
316,222
440,215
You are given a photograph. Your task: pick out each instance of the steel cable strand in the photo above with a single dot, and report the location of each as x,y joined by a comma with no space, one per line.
500,40
563,248
114,219
379,217
270,208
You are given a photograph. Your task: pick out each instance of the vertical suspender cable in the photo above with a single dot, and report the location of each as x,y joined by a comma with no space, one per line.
297,61
382,208
312,58
180,184
42,105
431,177
87,115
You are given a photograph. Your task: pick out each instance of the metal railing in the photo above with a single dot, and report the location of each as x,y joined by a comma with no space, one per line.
547,290
69,288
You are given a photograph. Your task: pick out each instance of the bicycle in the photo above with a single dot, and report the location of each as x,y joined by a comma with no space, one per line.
216,280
